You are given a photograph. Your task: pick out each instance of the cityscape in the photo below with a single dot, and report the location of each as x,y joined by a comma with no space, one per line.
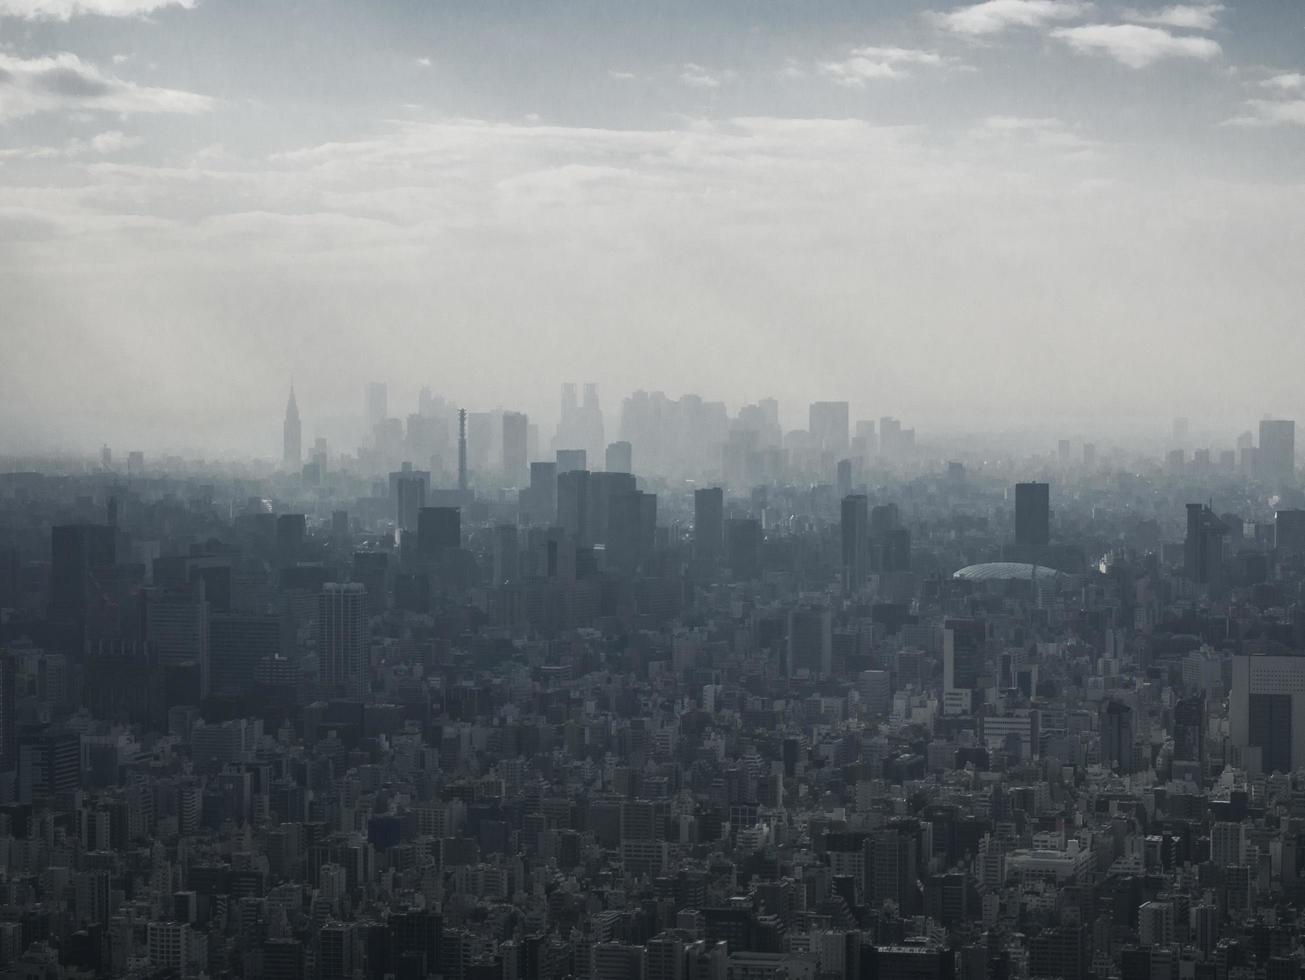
664,693
652,490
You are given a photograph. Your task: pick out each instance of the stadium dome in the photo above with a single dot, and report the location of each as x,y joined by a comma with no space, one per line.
1004,571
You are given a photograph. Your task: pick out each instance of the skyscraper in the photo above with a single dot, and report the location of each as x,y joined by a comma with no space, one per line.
462,450
1277,455
516,433
341,624
855,532
963,653
177,626
1266,708
1117,750
708,523
620,457
1032,515
438,530
1203,547
291,451
828,424
375,403
76,552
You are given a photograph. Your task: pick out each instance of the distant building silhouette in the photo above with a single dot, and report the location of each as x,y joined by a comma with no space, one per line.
291,448
1032,515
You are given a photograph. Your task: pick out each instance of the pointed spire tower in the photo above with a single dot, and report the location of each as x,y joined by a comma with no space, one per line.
291,455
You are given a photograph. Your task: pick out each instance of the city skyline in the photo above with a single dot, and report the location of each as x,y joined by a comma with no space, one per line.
961,210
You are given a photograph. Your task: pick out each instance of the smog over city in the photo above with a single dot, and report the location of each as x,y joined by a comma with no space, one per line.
720,490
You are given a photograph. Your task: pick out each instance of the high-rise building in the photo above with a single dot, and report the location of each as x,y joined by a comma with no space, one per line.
1117,749
177,627
573,500
854,530
541,506
827,423
342,628
8,707
1266,709
238,642
620,457
1189,729
1032,515
439,529
743,547
708,523
516,438
375,404
1289,532
408,491
570,460
1203,546
77,551
291,450
963,653
1277,452
462,450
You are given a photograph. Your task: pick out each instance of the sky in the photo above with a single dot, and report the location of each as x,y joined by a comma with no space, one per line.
1088,216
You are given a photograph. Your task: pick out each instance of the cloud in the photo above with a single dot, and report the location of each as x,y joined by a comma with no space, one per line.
995,16
65,82
1289,82
1135,45
65,10
621,76
423,62
1193,17
1042,132
1264,113
871,63
697,76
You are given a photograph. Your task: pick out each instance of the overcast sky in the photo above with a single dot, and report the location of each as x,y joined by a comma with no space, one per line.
1017,209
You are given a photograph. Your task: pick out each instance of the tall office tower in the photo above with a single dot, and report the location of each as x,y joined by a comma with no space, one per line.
828,424
1266,709
375,404
1179,435
77,552
462,450
1032,515
1277,455
603,487
507,554
573,505
854,530
342,630
543,492
890,436
1189,729
620,457
439,529
291,450
8,707
569,460
590,421
1117,751
516,436
864,440
238,642
891,870
743,547
1089,455
631,524
708,523
964,642
810,641
291,533
1203,546
1289,532
1061,951
843,478
177,626
408,489
884,518
876,690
